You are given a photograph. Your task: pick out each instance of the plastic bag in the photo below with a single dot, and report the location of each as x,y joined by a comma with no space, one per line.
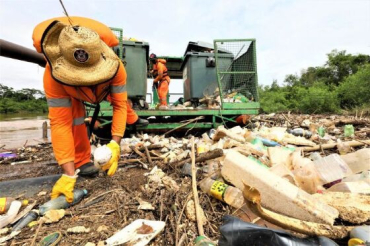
235,232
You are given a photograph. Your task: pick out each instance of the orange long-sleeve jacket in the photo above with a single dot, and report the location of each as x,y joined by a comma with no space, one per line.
61,97
160,70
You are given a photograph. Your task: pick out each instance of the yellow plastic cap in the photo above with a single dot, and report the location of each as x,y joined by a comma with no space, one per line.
355,241
25,202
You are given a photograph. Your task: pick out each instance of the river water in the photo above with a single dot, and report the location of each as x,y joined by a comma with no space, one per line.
17,130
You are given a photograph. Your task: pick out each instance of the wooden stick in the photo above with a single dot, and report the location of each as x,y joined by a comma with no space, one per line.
353,143
102,194
202,157
195,190
185,124
152,146
179,219
148,155
41,221
138,152
45,130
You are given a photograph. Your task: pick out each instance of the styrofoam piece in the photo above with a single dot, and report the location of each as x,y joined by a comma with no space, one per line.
132,234
277,194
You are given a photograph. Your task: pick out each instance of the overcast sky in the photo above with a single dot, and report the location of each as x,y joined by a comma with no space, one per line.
291,35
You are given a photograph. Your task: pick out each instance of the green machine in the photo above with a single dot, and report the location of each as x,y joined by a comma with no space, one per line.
234,84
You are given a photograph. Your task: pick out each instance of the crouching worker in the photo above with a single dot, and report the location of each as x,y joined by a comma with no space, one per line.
80,68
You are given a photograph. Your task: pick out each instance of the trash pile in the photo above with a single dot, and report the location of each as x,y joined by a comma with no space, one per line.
27,161
287,178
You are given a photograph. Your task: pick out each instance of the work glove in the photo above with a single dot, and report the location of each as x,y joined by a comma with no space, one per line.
112,164
65,186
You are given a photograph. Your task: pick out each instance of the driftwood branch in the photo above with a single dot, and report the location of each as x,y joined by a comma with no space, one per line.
185,124
202,157
148,155
353,143
195,190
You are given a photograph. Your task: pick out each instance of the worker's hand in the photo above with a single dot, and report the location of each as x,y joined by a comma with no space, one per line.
64,186
112,164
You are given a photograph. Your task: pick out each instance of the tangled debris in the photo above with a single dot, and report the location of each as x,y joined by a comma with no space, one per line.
151,183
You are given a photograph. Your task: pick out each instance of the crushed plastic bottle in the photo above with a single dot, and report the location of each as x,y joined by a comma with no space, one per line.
61,202
331,168
300,132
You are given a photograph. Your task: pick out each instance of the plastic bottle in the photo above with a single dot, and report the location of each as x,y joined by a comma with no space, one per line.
321,131
203,241
212,169
211,133
361,232
11,214
223,192
31,216
315,156
300,132
349,131
331,168
343,148
186,170
358,161
61,202
5,203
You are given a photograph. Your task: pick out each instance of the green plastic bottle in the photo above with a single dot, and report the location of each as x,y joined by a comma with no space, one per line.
203,241
321,131
349,131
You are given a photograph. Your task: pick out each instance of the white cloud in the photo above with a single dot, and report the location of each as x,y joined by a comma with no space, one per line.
291,35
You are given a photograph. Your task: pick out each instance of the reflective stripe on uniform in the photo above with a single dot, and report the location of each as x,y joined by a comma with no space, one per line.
118,88
78,121
59,102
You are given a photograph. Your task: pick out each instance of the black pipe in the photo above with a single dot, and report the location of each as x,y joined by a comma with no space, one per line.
15,51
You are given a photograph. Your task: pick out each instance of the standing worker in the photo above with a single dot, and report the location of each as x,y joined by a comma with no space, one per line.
161,81
80,68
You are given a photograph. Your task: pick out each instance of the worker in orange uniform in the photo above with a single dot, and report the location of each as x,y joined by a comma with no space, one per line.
161,80
80,68
106,35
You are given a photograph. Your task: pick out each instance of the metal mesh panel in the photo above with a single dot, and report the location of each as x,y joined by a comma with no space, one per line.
119,34
236,67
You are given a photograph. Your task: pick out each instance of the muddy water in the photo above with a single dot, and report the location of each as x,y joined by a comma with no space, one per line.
18,130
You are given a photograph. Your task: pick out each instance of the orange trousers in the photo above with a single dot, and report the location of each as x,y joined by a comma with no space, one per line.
162,92
79,131
131,114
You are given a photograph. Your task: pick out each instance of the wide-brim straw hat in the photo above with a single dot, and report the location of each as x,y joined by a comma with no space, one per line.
77,56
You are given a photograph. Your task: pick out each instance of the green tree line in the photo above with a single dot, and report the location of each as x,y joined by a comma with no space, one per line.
24,100
342,83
